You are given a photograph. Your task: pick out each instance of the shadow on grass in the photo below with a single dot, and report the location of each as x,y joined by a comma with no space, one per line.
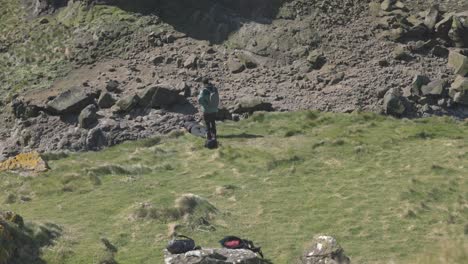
242,135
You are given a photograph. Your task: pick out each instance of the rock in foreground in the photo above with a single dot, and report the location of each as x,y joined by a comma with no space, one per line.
325,250
218,256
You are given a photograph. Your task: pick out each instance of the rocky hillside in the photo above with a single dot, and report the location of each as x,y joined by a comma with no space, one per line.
83,75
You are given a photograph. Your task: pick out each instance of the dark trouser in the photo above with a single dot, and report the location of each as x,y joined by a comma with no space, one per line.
210,121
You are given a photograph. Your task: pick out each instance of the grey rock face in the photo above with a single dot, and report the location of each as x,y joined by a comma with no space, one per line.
325,250
70,101
214,256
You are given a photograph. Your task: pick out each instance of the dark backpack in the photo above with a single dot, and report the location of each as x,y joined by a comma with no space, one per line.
211,143
233,242
179,246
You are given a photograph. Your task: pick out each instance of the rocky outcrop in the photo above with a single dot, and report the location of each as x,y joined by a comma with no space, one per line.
220,256
325,250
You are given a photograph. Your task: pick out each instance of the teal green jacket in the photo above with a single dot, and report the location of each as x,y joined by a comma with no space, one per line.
209,100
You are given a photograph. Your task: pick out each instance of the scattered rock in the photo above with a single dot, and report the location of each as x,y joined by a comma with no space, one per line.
235,66
325,249
88,117
253,104
112,86
106,100
191,61
316,59
401,53
459,90
434,88
127,103
387,5
432,17
458,62
443,27
157,60
418,82
70,101
393,103
96,139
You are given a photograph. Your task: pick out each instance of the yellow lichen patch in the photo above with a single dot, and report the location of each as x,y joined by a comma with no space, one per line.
30,161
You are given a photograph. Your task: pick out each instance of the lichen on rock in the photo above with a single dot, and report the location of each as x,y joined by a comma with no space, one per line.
30,162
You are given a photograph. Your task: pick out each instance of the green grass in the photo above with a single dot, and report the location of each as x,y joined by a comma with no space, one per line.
387,189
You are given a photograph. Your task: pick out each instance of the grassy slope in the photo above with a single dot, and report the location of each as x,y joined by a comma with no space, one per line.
387,189
36,54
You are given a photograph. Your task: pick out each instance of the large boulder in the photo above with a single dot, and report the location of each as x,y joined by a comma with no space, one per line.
127,103
162,96
88,117
106,100
252,104
214,256
70,102
393,103
458,62
325,250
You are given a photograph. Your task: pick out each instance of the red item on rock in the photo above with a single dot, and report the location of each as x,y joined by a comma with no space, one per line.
232,244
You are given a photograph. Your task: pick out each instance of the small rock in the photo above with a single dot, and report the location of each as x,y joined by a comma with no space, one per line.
316,59
235,66
157,60
112,86
401,53
191,61
387,5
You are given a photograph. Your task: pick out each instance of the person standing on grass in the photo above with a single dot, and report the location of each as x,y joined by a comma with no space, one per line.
209,102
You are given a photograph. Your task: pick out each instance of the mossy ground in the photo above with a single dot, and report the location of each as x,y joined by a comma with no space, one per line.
387,189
